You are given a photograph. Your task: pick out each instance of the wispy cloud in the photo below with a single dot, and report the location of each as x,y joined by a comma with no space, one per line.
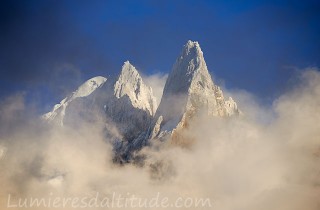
156,82
239,163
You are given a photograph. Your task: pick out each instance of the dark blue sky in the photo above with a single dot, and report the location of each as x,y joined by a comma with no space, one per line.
49,47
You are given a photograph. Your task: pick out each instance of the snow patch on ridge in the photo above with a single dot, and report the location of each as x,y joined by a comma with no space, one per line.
86,89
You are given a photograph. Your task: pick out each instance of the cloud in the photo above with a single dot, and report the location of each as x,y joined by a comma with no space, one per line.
254,164
239,163
156,82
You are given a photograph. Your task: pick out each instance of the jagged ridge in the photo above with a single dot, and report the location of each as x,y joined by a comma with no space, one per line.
130,107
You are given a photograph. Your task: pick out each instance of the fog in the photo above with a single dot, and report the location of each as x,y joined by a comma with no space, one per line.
268,158
156,82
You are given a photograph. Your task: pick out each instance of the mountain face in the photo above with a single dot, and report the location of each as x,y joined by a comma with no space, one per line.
189,89
130,109
127,104
57,115
130,83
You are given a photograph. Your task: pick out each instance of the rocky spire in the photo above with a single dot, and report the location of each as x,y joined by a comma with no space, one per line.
131,84
190,89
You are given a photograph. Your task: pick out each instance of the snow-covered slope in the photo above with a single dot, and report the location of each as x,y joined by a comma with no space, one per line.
86,89
189,89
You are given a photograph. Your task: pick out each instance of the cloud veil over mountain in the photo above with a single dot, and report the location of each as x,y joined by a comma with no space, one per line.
114,135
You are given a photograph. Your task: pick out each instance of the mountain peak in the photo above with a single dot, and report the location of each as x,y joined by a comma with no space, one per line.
189,64
89,86
192,47
190,89
84,90
130,83
126,64
128,69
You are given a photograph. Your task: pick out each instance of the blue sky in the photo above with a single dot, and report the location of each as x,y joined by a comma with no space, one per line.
49,47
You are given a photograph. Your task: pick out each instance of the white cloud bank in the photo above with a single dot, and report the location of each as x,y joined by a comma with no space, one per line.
156,82
241,163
